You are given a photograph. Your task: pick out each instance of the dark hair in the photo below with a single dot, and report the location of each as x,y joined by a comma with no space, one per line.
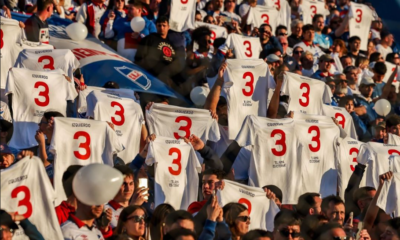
266,24
123,217
218,173
326,200
395,224
67,178
175,216
310,224
316,16
344,57
158,218
43,5
219,42
176,233
162,19
48,115
276,190
359,60
385,33
353,38
374,57
390,57
231,211
256,233
111,84
125,170
325,228
362,193
344,100
348,69
205,18
200,32
287,217
305,202
392,120
307,27
279,28
380,68
137,4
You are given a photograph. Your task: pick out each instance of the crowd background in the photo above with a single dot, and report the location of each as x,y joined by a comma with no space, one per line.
322,50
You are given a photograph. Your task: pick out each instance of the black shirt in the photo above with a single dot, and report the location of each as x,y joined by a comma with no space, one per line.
293,40
36,30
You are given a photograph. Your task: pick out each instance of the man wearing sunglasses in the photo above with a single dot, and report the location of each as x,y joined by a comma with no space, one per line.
268,41
287,225
324,67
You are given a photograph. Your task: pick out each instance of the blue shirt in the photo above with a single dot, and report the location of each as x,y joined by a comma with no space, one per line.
369,105
123,26
323,40
378,89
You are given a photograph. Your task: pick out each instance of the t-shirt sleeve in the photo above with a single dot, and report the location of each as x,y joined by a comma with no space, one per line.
151,156
113,140
327,97
213,131
71,91
90,105
246,134
10,85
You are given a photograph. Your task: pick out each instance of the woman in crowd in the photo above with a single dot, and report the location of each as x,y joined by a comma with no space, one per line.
132,223
157,221
237,217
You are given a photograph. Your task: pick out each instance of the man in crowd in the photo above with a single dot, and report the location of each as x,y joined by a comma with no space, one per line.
308,42
268,41
307,63
365,99
384,47
309,204
354,46
333,208
36,27
352,78
321,40
324,66
297,28
287,59
341,88
379,71
286,223
89,14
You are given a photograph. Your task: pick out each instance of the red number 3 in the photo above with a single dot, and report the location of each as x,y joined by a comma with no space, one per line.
280,142
342,119
85,145
359,15
249,84
248,52
24,201
50,65
353,150
265,18
1,39
313,10
176,161
315,139
119,113
306,95
186,128
44,94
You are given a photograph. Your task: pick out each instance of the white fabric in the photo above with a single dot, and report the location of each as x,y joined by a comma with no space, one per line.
233,16
390,69
34,93
343,117
261,210
71,231
115,214
82,16
360,19
216,31
5,112
384,51
376,157
246,86
243,47
394,163
307,95
319,138
26,190
315,50
49,59
393,139
389,198
176,172
310,8
274,154
347,160
182,16
259,15
124,113
80,142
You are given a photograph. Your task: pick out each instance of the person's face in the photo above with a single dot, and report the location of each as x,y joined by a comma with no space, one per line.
297,30
366,90
395,130
389,234
295,4
208,185
297,53
119,4
355,45
282,32
96,211
127,188
284,232
396,59
377,25
325,66
319,24
205,41
390,39
265,32
6,234
343,82
379,133
198,17
335,213
209,20
307,62
229,5
6,160
135,225
284,43
337,48
242,223
222,112
162,28
308,36
352,75
218,4
346,62
349,106
378,77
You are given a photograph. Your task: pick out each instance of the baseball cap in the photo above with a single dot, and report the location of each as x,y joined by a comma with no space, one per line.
326,58
272,58
367,81
381,125
6,220
4,149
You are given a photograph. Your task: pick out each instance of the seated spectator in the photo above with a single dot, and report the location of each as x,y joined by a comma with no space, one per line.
393,124
132,222
216,6
324,66
7,157
384,47
346,61
297,52
379,71
287,59
333,208
354,49
376,57
365,99
295,38
376,28
321,40
380,134
307,63
308,42
273,62
352,79
268,41
341,88
393,58
347,102
90,13
286,224
281,31
229,11
36,27
371,48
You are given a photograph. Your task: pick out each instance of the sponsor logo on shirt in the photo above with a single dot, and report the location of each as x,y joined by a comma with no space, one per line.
40,76
172,142
135,76
248,67
184,111
246,192
312,121
17,179
314,160
167,51
43,51
80,124
173,183
274,124
352,142
247,103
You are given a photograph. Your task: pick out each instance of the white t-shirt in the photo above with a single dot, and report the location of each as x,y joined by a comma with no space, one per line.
124,113
389,198
82,16
384,51
176,172
243,47
319,138
216,31
343,117
376,157
232,15
347,160
80,142
307,95
116,209
34,93
246,83
49,59
394,163
5,112
261,210
182,15
26,190
315,50
393,139
360,19
259,15
310,8
274,154
390,69
71,231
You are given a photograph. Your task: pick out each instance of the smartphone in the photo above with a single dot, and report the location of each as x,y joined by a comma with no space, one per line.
143,183
226,19
359,227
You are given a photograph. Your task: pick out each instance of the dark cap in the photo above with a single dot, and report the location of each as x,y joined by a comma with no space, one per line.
6,220
4,149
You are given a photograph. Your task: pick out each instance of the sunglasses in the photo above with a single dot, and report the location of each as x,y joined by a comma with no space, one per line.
136,219
340,238
286,233
243,218
298,52
282,34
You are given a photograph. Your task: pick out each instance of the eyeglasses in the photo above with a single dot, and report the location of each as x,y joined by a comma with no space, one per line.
286,232
281,56
298,52
282,34
243,218
340,238
136,219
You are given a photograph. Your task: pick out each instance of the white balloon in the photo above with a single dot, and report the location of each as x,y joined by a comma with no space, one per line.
382,107
198,95
77,31
96,184
137,24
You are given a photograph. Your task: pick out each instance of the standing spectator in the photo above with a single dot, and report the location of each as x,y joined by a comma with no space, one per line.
127,40
115,10
354,47
295,37
229,11
351,76
307,63
365,99
90,13
386,41
132,223
379,71
376,28
268,41
36,27
333,208
281,31
287,59
286,224
324,66
320,39
341,88
308,42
